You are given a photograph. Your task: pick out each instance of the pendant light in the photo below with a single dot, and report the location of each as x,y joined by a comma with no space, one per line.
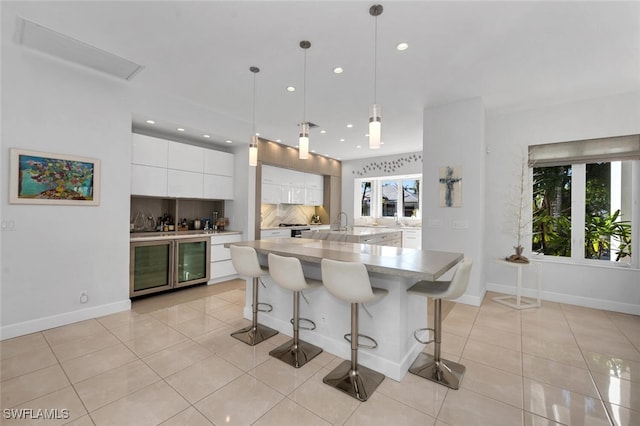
375,112
303,142
253,147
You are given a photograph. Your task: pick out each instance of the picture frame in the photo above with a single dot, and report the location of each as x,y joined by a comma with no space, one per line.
55,179
450,186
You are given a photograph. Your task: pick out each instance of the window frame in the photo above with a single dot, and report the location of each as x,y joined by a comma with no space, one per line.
578,202
376,196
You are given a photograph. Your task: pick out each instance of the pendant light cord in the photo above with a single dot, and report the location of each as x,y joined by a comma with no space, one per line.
254,107
375,62
304,89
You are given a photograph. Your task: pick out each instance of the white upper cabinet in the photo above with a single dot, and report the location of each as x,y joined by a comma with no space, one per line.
218,163
185,157
148,180
291,187
184,184
313,181
149,151
162,168
314,189
217,187
273,175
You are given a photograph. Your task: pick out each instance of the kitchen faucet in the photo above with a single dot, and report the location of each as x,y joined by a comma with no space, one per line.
346,220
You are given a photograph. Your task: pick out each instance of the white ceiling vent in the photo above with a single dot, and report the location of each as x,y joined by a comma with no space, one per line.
53,43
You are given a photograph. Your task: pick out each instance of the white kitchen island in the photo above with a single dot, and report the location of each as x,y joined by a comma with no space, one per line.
394,318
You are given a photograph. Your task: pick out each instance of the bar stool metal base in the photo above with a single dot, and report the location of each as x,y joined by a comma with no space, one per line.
296,356
447,373
253,335
359,384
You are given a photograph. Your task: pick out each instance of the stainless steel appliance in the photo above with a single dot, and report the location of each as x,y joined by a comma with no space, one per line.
296,228
161,265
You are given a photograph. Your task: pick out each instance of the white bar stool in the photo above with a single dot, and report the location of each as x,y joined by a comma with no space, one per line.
432,367
287,273
349,281
245,261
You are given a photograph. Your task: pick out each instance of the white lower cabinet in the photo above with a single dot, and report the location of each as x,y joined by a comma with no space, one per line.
267,234
221,266
412,238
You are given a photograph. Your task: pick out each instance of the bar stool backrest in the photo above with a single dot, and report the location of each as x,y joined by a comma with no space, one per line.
245,261
347,281
287,272
460,280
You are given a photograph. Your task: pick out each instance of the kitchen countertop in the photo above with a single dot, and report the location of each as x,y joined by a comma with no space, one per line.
153,236
394,261
356,230
314,225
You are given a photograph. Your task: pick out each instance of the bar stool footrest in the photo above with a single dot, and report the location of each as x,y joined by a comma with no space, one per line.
359,383
347,337
444,372
268,308
296,356
252,335
304,327
424,342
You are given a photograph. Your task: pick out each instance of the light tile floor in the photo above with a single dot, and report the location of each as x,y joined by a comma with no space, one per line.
171,361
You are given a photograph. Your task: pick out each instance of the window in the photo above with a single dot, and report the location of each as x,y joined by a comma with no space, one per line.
583,209
552,210
388,197
365,198
389,201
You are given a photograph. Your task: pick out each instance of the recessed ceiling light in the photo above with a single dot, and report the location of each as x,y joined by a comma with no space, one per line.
291,89
206,136
150,122
349,126
323,131
357,146
338,70
342,140
313,150
228,141
381,143
180,129
402,46
257,134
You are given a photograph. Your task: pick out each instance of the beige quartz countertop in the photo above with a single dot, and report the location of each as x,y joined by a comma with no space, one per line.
158,236
410,263
356,230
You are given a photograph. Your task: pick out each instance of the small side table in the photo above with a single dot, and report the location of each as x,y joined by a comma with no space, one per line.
521,302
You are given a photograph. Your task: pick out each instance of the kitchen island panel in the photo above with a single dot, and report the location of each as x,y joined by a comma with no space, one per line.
394,318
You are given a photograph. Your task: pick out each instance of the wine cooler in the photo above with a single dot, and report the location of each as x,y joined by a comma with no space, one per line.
161,265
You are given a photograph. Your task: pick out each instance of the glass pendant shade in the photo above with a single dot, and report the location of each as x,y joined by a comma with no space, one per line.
253,153
375,125
303,142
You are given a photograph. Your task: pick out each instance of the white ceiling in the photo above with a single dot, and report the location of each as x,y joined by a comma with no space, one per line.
514,55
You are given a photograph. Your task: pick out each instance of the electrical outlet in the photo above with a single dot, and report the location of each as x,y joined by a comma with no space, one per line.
84,297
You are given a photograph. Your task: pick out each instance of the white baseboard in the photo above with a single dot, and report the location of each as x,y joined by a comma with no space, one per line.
40,324
222,279
589,302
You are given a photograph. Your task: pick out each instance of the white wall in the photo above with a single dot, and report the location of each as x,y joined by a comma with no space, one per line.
387,165
56,252
454,135
508,135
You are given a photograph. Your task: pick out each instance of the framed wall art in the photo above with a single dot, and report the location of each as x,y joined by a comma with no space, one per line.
45,178
450,192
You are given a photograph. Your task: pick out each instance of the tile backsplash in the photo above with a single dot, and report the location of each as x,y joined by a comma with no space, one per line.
275,214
